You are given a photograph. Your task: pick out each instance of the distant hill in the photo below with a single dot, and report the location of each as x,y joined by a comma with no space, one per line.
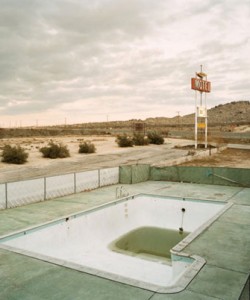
237,112
233,112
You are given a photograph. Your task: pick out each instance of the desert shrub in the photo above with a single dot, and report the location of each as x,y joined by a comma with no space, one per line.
87,147
54,150
14,155
124,141
140,140
155,138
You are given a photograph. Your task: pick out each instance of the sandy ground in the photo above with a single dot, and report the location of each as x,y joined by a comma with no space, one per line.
236,158
103,145
108,154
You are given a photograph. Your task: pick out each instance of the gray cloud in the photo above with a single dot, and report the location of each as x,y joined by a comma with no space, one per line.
122,56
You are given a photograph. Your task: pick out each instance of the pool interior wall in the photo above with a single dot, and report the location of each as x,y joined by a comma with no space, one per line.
81,241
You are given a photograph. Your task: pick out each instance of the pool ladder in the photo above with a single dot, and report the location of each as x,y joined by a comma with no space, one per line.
121,192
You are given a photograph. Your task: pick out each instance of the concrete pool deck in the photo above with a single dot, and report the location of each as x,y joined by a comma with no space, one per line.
225,245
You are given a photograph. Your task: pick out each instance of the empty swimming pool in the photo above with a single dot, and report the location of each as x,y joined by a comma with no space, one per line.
138,240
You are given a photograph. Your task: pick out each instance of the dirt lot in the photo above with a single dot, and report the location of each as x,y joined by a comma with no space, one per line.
108,154
235,158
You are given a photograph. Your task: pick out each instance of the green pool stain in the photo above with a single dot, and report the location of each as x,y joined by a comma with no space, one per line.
149,241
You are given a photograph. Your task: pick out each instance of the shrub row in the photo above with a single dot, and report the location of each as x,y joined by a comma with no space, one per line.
17,155
139,139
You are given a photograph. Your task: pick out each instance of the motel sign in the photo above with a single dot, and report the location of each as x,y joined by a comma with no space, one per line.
200,85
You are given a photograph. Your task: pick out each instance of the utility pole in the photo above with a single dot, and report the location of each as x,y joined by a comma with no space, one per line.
178,114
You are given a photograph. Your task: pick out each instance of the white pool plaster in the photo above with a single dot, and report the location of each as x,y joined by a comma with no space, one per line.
81,241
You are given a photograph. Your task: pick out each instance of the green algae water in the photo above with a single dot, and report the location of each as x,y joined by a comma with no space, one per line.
149,241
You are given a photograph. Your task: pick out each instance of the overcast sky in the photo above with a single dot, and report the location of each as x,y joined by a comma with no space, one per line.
74,61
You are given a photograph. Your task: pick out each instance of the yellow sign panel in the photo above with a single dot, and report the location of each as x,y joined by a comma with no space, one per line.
201,125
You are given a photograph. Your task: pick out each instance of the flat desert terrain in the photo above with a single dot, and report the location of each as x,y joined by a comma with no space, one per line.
108,154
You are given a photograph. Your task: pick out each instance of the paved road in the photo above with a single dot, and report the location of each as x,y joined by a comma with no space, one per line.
239,146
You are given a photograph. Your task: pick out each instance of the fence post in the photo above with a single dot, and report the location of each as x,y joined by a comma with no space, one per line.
44,185
6,195
99,178
74,183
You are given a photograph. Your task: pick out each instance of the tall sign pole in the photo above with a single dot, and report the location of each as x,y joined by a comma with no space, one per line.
200,84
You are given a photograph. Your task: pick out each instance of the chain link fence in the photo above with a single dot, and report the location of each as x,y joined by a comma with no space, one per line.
20,193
